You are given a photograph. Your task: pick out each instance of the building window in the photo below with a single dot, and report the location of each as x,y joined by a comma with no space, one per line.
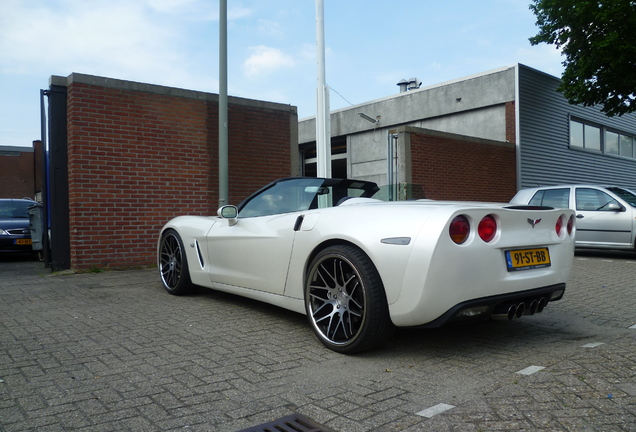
599,138
338,159
592,137
585,135
619,144
576,134
611,143
627,146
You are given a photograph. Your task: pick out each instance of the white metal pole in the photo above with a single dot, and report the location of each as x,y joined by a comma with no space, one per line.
223,116
323,124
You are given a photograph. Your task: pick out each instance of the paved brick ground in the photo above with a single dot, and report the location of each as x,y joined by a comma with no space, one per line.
113,352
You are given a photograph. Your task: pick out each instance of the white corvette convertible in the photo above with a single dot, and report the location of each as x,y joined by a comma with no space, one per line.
358,266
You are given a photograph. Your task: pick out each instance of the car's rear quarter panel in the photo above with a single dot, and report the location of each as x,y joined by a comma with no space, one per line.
441,274
363,226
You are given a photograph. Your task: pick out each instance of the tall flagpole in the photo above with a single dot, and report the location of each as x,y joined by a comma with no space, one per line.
223,117
323,123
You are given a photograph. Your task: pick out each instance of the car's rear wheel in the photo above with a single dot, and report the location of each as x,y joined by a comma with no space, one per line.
173,264
345,300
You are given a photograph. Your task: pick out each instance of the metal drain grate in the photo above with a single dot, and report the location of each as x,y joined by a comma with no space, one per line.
290,423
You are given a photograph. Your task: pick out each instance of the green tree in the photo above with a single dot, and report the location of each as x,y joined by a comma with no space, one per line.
598,40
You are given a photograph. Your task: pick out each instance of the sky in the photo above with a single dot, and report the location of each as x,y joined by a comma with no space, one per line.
370,46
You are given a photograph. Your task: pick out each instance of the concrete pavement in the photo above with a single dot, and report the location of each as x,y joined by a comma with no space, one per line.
113,351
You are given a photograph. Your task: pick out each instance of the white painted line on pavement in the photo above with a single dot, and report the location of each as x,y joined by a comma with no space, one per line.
633,327
593,345
434,410
530,370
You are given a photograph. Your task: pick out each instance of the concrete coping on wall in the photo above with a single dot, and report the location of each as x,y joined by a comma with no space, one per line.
440,134
118,84
15,149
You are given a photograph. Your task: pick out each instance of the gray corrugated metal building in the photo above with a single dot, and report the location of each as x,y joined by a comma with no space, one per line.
555,142
548,147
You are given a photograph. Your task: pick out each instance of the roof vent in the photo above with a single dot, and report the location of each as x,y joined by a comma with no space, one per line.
412,84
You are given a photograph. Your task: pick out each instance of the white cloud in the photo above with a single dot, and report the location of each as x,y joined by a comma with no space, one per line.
123,39
265,60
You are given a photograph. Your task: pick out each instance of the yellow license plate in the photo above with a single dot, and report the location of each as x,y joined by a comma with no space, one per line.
526,259
23,241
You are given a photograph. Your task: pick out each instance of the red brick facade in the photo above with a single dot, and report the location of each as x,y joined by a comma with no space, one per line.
457,167
21,171
511,123
137,158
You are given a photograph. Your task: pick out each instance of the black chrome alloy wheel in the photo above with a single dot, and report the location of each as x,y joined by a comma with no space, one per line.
173,264
345,300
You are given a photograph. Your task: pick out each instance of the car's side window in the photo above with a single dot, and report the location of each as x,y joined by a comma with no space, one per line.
537,199
557,198
284,197
593,200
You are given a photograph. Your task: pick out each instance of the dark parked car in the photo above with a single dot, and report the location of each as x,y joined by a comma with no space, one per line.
15,235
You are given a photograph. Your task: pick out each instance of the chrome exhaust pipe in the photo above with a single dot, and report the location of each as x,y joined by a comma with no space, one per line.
521,308
542,304
506,314
534,306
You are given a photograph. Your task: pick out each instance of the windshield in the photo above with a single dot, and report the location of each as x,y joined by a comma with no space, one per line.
15,209
625,194
301,194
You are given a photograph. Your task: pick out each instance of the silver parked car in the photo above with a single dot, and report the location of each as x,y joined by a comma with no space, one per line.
604,214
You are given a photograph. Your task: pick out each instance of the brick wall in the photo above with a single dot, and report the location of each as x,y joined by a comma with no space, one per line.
511,129
137,158
17,178
457,167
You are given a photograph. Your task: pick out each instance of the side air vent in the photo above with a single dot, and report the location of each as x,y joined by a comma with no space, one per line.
201,262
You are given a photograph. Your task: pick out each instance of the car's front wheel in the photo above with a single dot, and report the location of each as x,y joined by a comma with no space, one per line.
345,300
173,264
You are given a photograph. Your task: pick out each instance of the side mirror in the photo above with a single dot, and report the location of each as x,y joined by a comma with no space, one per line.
230,213
615,207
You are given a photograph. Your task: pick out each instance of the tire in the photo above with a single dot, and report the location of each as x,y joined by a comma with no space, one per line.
173,264
345,300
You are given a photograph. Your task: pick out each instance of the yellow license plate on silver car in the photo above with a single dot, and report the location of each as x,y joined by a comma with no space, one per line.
527,259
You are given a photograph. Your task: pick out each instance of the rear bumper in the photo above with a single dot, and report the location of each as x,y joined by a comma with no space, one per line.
499,306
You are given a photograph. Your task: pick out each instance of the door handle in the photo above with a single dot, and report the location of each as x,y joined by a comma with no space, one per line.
579,216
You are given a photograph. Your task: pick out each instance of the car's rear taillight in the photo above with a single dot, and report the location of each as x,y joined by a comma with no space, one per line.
559,226
564,225
487,228
459,229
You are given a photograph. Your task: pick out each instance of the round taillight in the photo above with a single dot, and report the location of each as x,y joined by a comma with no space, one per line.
571,225
487,228
559,226
459,229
